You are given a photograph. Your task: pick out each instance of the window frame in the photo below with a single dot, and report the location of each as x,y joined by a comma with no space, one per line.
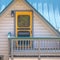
23,12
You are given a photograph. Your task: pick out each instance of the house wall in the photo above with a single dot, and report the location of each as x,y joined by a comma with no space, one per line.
40,29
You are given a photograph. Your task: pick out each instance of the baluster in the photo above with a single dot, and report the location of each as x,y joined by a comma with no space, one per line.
58,44
55,45
48,47
28,44
38,49
25,45
22,44
11,49
44,44
31,44
17,45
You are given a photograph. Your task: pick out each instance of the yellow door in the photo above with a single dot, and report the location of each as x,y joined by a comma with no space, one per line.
23,24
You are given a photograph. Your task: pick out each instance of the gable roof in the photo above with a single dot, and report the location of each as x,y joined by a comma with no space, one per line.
50,9
58,33
52,27
4,7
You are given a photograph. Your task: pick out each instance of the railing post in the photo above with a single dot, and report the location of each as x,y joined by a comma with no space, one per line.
59,44
38,49
11,49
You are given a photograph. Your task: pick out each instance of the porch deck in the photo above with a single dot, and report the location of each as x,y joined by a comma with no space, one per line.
35,53
37,49
29,58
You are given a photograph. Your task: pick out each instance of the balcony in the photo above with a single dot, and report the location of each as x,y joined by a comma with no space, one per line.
43,46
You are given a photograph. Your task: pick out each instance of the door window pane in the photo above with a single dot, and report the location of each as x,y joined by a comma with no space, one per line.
23,20
23,34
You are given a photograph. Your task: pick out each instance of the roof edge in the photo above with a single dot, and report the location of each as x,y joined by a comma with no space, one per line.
45,20
6,7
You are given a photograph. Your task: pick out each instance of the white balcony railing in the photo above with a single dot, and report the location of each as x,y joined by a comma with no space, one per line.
34,46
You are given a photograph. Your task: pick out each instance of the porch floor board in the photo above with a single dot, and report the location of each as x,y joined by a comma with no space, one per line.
36,53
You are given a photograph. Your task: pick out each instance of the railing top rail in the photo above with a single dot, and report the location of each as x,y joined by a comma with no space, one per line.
31,38
45,38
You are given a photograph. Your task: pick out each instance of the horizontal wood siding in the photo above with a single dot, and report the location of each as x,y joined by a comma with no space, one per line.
7,25
41,29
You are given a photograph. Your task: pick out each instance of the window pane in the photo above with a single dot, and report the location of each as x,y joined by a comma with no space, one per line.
23,21
23,34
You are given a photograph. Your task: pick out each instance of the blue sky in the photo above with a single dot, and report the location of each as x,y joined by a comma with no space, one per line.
4,3
50,9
